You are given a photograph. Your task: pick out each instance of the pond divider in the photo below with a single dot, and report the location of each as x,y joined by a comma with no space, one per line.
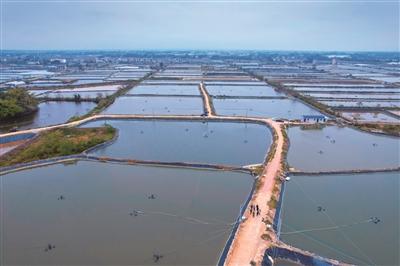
286,253
250,97
209,109
84,156
170,164
243,207
153,82
237,119
354,171
23,166
163,95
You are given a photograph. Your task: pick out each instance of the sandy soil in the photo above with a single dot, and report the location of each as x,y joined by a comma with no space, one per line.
6,147
207,100
248,245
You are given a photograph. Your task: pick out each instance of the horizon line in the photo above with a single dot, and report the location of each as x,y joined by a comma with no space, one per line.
193,49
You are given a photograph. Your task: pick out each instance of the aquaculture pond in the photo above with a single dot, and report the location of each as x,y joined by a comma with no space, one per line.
352,90
370,117
338,85
92,213
38,93
169,82
235,83
274,108
227,90
184,141
362,103
352,218
166,89
50,113
327,149
46,84
388,96
83,94
156,105
88,81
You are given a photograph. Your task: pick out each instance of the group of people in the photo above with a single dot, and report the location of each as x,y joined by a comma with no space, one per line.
255,210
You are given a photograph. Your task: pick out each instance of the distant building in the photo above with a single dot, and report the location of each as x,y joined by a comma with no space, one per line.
315,118
15,83
58,60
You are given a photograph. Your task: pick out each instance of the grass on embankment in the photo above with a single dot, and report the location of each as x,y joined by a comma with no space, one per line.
59,142
389,129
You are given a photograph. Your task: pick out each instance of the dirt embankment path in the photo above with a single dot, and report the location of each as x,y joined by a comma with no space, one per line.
209,110
248,244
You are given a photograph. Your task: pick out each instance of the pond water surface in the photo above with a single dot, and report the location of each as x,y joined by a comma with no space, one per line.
166,89
335,148
83,94
50,113
180,141
156,105
388,96
362,103
370,117
187,222
347,201
227,90
274,108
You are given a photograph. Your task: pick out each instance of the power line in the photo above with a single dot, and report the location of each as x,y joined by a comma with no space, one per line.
330,247
327,228
333,223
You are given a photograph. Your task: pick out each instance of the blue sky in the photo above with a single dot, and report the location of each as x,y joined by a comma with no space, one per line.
273,25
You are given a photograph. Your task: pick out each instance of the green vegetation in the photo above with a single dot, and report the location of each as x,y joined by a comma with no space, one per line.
272,148
76,99
272,203
59,142
258,184
257,169
285,149
315,126
15,103
390,129
266,237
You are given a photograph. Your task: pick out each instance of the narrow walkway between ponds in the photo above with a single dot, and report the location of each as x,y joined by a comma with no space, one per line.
336,172
207,100
211,117
144,117
248,244
87,157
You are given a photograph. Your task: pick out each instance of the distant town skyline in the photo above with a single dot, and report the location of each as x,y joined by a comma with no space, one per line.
208,25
